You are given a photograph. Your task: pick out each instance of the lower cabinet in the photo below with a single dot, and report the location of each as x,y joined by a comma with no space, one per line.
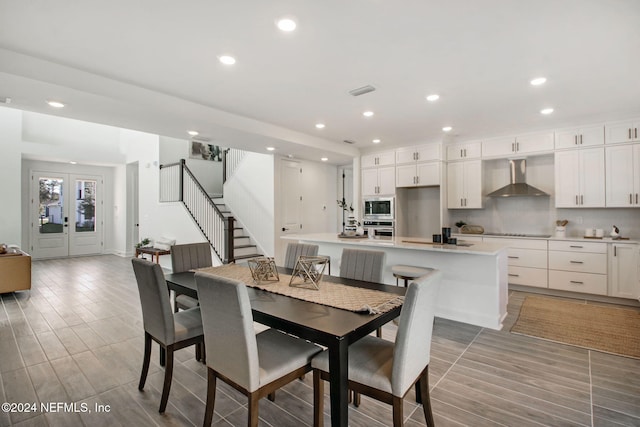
527,261
624,270
578,266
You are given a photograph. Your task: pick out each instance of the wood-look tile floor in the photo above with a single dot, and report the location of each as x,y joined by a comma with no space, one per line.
77,337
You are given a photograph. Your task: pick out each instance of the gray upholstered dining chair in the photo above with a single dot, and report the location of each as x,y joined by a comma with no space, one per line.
384,370
172,331
294,250
359,264
187,257
255,365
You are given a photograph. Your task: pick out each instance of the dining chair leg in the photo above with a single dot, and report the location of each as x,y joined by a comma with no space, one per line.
203,352
253,409
418,394
379,332
356,399
211,397
198,352
146,360
397,411
163,356
272,396
426,399
318,399
168,374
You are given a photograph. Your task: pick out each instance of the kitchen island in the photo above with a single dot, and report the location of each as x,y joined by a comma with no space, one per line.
474,283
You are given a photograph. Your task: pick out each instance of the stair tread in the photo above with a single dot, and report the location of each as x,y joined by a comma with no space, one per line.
248,256
244,246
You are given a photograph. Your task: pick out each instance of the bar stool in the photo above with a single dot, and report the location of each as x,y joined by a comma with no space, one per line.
408,272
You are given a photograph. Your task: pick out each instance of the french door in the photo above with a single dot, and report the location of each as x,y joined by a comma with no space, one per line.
66,214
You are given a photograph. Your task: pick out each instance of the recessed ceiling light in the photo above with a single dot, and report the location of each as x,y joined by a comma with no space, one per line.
368,113
270,148
324,159
447,128
55,104
433,97
193,132
72,162
227,59
538,81
320,125
376,141
286,24
546,111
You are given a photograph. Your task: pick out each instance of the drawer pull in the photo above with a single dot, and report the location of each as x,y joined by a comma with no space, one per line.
576,282
576,246
513,257
514,275
576,262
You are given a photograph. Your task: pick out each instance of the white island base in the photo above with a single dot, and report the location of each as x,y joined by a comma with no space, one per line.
474,284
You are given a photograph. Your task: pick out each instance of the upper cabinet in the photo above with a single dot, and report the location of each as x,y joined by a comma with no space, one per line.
383,158
623,131
526,144
379,181
623,176
464,185
585,136
580,178
420,153
465,151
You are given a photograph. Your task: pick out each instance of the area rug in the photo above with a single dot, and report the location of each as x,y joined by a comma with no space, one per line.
596,327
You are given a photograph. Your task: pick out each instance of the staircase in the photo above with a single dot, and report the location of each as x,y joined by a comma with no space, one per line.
217,224
243,247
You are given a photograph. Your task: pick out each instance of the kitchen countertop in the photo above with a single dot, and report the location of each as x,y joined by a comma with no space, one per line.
415,243
461,236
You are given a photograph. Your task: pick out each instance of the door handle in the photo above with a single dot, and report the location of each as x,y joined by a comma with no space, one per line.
285,229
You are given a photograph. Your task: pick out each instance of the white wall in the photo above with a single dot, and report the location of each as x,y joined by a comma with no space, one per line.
11,166
250,195
418,211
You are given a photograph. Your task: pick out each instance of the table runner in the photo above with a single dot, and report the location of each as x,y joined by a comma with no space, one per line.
335,295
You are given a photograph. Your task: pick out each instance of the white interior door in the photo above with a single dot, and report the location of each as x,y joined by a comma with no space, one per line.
66,213
291,196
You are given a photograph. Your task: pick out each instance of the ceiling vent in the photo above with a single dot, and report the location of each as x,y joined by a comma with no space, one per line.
348,141
5,100
361,90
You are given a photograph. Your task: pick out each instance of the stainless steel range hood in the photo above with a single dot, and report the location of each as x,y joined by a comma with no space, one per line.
518,186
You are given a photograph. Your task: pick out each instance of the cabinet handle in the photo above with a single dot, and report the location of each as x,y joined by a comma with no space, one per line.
576,199
576,282
513,257
576,262
465,201
579,247
636,132
575,139
630,198
580,139
514,275
513,147
461,153
615,251
629,133
465,152
582,199
517,146
636,198
417,179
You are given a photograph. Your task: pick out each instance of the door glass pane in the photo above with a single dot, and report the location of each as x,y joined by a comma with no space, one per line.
51,211
85,205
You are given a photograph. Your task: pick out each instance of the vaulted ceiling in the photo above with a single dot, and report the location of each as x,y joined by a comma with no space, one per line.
152,65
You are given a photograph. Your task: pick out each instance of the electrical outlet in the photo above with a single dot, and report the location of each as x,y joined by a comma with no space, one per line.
579,220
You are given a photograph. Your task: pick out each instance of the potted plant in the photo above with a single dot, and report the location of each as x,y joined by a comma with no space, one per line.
349,228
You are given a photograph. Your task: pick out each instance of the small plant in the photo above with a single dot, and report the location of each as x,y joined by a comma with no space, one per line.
343,204
459,224
144,242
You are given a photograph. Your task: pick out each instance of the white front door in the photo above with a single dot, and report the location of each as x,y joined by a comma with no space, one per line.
66,214
291,178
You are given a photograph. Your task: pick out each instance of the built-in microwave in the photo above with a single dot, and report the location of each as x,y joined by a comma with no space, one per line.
379,208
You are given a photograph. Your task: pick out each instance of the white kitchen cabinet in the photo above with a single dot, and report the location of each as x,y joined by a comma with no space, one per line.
525,144
624,274
585,136
383,158
627,131
464,185
420,153
418,175
623,175
527,261
580,178
578,267
379,181
466,151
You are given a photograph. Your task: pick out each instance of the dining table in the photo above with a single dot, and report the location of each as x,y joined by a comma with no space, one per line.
331,327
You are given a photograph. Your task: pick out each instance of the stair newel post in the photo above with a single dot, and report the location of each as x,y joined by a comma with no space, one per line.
225,153
228,246
181,184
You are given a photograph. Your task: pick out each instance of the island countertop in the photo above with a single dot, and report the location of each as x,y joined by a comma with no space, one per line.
415,243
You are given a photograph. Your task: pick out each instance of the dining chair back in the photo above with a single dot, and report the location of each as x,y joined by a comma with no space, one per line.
361,264
187,257
385,370
255,365
294,250
172,331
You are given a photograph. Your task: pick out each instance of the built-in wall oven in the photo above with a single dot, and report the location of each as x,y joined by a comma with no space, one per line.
379,229
379,209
